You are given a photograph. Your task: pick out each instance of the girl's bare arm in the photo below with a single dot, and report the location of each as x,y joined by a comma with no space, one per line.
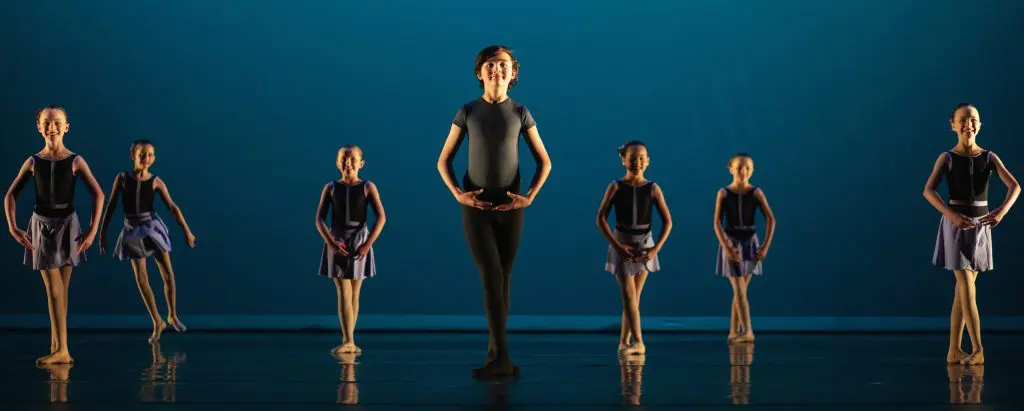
11,198
930,192
321,215
1012,186
666,216
115,193
769,219
165,194
94,188
719,232
378,209
603,211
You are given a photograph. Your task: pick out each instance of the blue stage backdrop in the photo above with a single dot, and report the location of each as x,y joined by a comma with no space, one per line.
843,106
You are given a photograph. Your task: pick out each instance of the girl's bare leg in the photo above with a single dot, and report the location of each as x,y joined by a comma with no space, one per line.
624,331
969,305
734,309
340,289
345,316
357,285
50,310
631,303
65,279
744,308
625,335
142,280
57,301
740,328
163,263
65,275
956,327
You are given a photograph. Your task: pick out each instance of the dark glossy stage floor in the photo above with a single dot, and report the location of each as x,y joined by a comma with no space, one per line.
120,371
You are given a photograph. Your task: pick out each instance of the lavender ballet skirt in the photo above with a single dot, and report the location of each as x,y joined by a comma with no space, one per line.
963,250
55,242
616,265
335,265
143,235
747,251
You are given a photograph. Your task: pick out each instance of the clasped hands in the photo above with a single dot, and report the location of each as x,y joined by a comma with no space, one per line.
635,254
470,199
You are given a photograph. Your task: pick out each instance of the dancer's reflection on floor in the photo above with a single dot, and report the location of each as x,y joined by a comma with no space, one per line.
60,376
163,374
631,369
497,390
348,387
973,375
741,356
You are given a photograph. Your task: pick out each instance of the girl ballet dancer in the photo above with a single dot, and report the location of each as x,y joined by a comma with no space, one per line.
964,241
739,251
632,251
53,242
492,208
348,246
144,234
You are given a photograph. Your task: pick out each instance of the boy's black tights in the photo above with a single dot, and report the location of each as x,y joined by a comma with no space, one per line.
493,238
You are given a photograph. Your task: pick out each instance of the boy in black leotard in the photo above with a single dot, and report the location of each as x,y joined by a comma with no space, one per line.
54,242
492,208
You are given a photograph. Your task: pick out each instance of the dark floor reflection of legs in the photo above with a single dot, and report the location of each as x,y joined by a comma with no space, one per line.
60,376
631,370
253,372
498,392
741,356
348,387
162,372
957,375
